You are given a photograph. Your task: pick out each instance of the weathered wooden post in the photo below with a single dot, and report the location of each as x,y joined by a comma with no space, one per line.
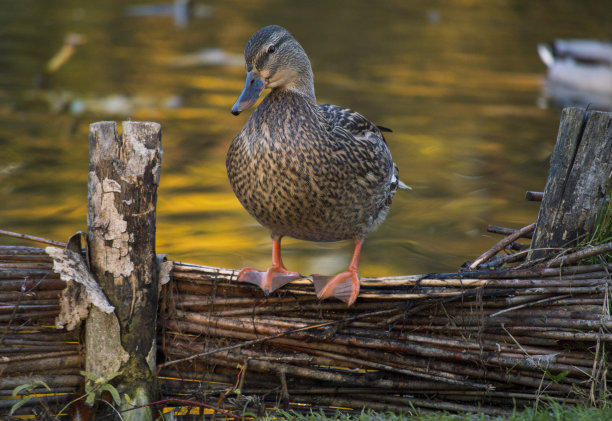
124,173
580,168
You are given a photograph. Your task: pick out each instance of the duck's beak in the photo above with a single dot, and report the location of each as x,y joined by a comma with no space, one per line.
253,86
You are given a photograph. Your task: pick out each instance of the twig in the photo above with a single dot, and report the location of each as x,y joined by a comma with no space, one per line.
506,231
580,255
532,303
509,258
32,238
500,245
534,196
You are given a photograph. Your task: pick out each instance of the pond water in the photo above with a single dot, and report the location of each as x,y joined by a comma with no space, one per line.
459,82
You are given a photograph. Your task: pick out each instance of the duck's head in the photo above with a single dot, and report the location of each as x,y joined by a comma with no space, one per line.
275,60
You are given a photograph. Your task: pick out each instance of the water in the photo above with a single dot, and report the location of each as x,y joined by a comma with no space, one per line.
458,82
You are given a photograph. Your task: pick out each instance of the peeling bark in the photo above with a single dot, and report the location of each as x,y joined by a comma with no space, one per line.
165,269
81,288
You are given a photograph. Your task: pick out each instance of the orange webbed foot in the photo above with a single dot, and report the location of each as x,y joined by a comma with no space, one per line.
343,286
269,280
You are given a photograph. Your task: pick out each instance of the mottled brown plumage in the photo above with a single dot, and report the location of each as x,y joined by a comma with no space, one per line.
312,172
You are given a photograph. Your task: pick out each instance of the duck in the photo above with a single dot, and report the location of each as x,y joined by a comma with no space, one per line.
579,72
314,172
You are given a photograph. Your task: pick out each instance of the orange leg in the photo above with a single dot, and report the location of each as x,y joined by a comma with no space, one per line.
275,276
345,285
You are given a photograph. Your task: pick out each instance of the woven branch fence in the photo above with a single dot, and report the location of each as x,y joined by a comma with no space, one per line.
482,340
478,340
32,347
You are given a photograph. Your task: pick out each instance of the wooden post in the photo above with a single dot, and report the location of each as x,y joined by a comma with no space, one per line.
124,173
580,168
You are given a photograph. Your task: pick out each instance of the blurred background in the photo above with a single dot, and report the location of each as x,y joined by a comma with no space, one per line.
459,82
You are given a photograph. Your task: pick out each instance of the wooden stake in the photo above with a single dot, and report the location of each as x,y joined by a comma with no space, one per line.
580,169
124,174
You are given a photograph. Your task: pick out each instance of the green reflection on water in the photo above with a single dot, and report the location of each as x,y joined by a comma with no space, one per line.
457,81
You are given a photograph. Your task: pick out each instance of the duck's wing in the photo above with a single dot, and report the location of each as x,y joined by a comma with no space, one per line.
351,121
347,120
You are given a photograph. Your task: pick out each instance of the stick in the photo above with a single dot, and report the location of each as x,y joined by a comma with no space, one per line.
533,303
580,255
509,258
500,245
506,231
534,196
32,238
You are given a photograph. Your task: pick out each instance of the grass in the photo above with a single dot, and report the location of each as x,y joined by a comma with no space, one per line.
552,412
602,233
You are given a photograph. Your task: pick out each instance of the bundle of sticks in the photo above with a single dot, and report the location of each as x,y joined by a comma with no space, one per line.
481,339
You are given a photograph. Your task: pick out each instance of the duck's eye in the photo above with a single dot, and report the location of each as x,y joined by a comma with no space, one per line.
271,49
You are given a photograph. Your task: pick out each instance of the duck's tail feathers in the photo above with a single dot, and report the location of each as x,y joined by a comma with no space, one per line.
546,55
402,185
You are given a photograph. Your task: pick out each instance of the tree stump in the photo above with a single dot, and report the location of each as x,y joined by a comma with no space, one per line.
124,174
580,168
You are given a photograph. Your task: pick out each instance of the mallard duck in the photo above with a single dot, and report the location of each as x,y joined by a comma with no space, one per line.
579,72
311,172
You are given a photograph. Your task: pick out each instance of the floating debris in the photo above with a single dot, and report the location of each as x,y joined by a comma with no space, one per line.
182,11
209,57
116,104
71,42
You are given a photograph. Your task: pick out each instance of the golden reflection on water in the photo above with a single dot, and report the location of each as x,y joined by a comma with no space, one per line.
456,81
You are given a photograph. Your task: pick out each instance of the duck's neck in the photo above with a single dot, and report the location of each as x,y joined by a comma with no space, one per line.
303,85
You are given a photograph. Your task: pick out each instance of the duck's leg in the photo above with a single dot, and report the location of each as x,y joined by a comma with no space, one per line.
275,276
345,285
